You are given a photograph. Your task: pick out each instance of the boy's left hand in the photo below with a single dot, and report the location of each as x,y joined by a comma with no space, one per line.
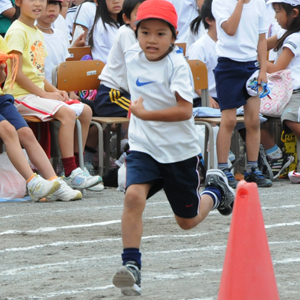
137,107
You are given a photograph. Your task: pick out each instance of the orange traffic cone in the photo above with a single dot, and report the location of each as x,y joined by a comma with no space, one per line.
248,272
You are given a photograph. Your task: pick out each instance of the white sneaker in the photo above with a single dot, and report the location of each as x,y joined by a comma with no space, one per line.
39,187
95,188
79,180
64,193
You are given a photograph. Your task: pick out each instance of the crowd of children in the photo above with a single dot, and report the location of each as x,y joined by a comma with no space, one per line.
145,72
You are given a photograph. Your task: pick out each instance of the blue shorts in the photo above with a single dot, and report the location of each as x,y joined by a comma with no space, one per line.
180,181
231,77
111,103
10,113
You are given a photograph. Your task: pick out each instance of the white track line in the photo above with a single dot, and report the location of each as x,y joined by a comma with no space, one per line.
51,229
94,208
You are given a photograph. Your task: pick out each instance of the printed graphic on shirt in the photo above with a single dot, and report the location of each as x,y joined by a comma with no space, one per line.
37,54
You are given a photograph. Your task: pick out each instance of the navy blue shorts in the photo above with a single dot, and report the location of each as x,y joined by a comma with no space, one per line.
231,77
111,103
180,181
10,113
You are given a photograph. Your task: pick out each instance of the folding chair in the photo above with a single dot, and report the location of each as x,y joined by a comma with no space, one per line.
76,53
83,75
200,78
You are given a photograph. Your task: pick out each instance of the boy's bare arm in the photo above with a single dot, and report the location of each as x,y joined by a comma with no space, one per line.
181,112
231,25
262,58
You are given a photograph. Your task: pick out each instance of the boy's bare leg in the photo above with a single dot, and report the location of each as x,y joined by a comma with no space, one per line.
67,118
14,151
252,124
35,152
132,223
228,122
85,120
206,205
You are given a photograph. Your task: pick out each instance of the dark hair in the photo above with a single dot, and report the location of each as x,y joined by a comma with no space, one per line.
129,6
53,2
294,26
173,30
103,13
17,14
195,24
206,12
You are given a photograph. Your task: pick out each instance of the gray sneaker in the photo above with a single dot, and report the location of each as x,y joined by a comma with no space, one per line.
218,179
128,279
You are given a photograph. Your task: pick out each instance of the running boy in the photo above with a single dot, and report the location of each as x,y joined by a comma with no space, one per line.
241,30
162,138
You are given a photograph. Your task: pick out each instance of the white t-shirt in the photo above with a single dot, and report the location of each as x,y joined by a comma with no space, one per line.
70,20
205,50
186,11
293,43
86,16
103,40
57,49
243,45
60,24
5,5
156,82
114,73
192,38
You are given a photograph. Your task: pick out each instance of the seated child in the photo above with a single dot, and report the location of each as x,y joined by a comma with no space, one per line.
35,96
57,49
113,98
15,131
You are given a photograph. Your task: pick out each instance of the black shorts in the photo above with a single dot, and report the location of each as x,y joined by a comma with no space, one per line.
180,181
111,103
231,78
10,113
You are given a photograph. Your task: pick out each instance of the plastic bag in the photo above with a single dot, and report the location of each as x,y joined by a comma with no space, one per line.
121,178
12,184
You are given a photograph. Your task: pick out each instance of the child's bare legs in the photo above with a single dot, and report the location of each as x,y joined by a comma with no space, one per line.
35,152
206,205
134,205
14,150
266,139
252,124
228,122
85,120
132,223
67,118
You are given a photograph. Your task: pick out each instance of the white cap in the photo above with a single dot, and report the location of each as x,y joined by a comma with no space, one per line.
291,2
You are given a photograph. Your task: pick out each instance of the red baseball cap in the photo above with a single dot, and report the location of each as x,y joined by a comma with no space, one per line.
157,9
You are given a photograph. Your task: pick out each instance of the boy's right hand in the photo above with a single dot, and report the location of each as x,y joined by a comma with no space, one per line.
54,95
